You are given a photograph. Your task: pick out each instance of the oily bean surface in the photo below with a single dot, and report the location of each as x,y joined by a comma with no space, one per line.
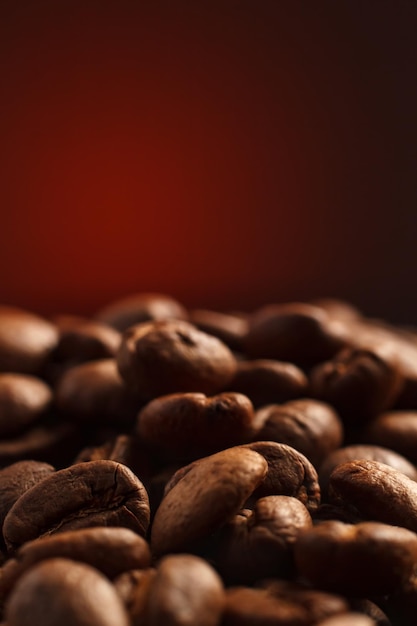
61,591
24,399
97,493
311,427
159,358
377,491
205,497
190,425
365,559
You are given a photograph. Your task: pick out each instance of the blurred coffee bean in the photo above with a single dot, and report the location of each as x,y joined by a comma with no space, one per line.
86,341
296,332
266,381
205,497
138,308
258,544
229,328
256,607
348,619
61,591
364,452
338,309
98,493
358,383
365,559
377,491
396,430
94,393
26,341
23,400
159,358
190,425
311,427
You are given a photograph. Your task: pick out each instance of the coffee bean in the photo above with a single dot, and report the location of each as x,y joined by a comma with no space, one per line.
377,491
60,591
98,493
138,308
348,619
205,497
23,400
86,341
364,452
229,328
159,358
266,381
311,427
396,430
133,588
26,341
363,559
190,425
255,607
300,333
258,544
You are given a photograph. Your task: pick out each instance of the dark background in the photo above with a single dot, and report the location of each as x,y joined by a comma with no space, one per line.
230,153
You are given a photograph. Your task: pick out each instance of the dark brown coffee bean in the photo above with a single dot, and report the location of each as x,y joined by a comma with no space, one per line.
133,588
296,332
348,619
364,452
23,400
258,544
159,358
95,393
190,425
359,383
229,328
377,491
60,591
396,430
311,427
290,473
110,550
209,493
255,607
86,341
18,478
266,381
138,308
318,604
185,591
98,493
362,559
26,341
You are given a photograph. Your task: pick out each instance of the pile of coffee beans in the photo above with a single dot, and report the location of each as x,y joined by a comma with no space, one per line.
166,467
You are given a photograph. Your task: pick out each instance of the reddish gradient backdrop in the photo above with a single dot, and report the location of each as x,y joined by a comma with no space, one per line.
229,153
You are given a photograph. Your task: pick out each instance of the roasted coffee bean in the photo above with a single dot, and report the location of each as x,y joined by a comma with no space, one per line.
94,393
23,400
185,591
138,308
318,604
311,427
26,341
190,425
300,333
256,607
266,381
363,559
159,358
209,493
348,619
133,588
359,383
396,430
377,491
364,452
60,591
338,309
86,341
18,478
258,544
98,493
110,550
290,473
230,328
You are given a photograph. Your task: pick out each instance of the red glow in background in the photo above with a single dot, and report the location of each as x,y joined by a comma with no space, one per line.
229,153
